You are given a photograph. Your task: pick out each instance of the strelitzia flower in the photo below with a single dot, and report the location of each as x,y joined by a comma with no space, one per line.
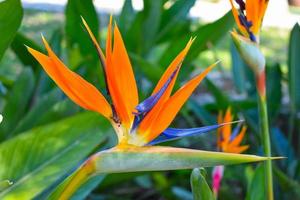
249,16
138,125
229,141
135,123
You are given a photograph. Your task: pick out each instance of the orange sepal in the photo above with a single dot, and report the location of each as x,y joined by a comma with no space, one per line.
74,86
252,12
237,20
236,149
173,105
238,139
153,114
174,64
95,42
121,81
226,130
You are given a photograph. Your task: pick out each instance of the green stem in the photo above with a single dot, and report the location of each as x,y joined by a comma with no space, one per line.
73,183
264,128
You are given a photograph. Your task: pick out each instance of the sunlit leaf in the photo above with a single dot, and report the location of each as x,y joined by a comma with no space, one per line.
11,14
35,159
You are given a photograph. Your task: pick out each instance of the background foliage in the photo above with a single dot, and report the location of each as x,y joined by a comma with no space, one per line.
44,136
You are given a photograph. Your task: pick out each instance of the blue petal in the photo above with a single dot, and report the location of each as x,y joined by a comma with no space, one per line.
235,132
174,133
148,103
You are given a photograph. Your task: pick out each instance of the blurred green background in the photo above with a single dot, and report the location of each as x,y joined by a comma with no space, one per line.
44,135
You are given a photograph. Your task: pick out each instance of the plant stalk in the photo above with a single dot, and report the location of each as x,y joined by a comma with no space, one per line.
264,128
73,183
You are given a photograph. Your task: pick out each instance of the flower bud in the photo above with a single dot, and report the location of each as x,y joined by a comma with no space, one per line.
250,52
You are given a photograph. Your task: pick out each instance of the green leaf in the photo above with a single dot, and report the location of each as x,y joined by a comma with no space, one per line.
201,113
205,35
153,10
178,11
39,109
5,184
148,158
274,90
74,31
289,186
11,14
200,188
56,41
221,99
127,16
294,68
87,188
58,111
17,102
18,46
35,159
210,34
257,186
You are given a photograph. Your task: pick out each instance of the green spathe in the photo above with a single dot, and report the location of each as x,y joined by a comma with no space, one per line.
250,52
150,158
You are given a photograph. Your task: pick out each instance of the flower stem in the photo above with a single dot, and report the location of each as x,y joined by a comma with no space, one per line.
264,128
72,184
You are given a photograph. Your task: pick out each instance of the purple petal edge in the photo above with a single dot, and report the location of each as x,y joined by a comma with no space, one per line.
173,133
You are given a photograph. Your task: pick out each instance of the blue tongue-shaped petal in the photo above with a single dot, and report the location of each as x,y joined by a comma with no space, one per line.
146,105
174,133
235,132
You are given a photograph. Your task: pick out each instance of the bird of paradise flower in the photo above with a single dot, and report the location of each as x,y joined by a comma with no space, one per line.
137,125
249,15
227,141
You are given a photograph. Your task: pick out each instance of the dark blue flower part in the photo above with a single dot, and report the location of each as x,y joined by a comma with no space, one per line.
146,105
235,132
149,103
175,133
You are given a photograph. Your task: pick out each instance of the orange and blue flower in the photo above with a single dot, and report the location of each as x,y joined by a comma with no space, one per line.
228,141
249,15
139,124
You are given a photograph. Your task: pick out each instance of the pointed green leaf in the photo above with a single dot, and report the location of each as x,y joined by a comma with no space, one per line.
74,31
294,68
41,107
257,186
17,102
200,188
37,158
18,46
274,90
11,14
178,11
